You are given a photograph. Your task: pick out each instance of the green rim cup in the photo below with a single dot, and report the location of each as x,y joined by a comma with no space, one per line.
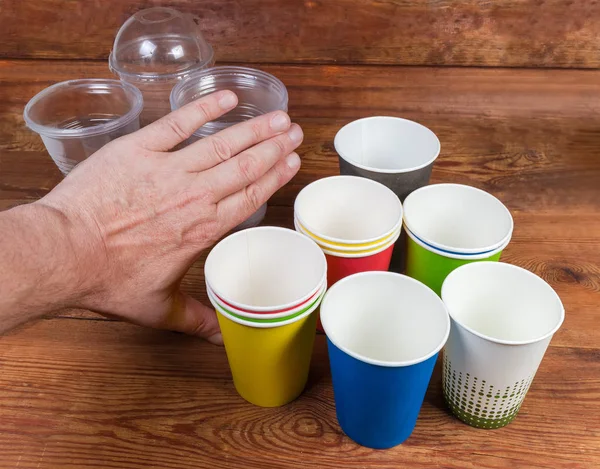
431,266
270,320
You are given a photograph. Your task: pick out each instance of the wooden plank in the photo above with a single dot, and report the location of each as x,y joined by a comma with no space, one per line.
104,394
523,33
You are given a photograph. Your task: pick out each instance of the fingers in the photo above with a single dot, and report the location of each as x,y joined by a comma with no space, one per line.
196,319
246,168
211,151
238,207
179,125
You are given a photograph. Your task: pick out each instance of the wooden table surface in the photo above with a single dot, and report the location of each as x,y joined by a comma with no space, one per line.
82,391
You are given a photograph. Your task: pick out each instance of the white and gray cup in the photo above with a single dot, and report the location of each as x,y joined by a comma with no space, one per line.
396,152
76,118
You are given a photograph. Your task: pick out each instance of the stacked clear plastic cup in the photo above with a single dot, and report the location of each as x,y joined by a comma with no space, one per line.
77,117
155,49
258,93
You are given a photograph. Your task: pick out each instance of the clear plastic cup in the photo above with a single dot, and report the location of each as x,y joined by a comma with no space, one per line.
258,93
76,118
154,49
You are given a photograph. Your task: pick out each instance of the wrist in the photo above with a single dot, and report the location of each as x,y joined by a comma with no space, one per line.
47,261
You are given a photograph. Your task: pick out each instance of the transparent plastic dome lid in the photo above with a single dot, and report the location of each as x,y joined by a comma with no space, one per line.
159,44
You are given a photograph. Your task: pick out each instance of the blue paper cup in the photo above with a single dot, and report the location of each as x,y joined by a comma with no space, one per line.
384,331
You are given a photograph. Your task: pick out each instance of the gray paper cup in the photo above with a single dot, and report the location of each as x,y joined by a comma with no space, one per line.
396,152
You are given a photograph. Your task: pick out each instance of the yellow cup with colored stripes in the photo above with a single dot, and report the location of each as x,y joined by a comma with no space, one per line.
269,361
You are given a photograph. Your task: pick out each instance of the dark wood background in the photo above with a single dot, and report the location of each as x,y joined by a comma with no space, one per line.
511,87
524,33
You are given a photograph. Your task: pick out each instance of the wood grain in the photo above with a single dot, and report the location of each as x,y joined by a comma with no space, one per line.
523,33
531,137
148,398
83,391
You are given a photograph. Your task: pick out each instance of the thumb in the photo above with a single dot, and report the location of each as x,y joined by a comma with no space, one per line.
194,318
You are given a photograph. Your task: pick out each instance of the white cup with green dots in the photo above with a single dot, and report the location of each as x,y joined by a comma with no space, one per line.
503,318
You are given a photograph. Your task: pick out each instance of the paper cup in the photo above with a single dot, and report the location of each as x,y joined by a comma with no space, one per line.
431,266
344,210
503,318
343,247
265,269
266,317
269,361
457,218
340,264
395,152
384,331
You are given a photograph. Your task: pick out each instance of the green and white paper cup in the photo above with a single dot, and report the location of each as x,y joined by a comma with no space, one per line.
449,225
503,318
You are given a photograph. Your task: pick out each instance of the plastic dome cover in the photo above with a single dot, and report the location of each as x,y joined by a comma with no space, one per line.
159,44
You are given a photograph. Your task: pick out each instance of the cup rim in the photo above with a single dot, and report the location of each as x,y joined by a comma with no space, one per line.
452,249
503,265
371,361
386,171
291,304
267,325
368,253
266,318
346,241
225,70
467,255
461,256
267,314
349,247
122,121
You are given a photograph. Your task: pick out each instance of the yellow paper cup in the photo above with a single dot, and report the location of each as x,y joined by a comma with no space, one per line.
269,361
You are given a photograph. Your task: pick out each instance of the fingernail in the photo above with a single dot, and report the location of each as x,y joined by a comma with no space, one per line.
280,122
228,100
293,160
296,134
216,339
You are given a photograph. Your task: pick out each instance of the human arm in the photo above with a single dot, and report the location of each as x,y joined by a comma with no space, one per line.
117,235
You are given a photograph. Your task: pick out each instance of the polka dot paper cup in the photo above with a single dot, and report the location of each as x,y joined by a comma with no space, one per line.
503,318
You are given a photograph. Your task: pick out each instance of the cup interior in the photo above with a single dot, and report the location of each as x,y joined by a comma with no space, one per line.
502,302
457,218
81,108
265,267
348,209
387,144
385,319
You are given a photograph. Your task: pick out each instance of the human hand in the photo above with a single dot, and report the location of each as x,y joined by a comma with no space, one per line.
138,215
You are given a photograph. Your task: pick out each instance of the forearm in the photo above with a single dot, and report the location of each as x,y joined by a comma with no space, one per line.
39,271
